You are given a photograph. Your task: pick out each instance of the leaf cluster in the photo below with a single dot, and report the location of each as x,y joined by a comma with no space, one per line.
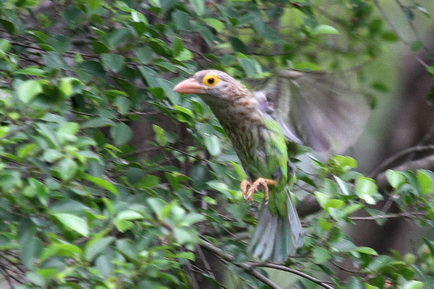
109,179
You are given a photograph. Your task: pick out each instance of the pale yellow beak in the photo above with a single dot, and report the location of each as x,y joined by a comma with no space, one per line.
189,86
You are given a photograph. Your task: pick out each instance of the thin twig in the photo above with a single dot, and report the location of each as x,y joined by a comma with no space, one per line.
395,30
410,215
344,269
293,271
190,276
411,24
205,263
245,266
249,267
419,164
397,156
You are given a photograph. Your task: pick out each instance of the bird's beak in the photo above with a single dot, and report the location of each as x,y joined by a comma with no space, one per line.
189,86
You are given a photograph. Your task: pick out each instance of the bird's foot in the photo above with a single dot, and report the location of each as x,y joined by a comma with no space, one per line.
248,188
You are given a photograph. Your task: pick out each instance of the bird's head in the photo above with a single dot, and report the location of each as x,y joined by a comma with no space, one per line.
214,83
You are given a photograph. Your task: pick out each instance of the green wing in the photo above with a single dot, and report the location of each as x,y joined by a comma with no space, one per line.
314,108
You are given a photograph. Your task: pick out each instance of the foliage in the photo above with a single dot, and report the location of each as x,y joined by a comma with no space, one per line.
86,203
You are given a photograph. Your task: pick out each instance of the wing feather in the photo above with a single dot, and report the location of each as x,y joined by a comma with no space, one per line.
317,109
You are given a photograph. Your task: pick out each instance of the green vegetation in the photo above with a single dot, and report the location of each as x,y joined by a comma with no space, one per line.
109,179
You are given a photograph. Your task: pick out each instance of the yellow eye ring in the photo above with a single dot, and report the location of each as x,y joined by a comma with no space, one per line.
210,80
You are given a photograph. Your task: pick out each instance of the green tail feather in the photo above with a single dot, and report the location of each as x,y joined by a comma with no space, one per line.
276,237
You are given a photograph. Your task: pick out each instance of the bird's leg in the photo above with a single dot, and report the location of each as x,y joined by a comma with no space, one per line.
244,188
260,182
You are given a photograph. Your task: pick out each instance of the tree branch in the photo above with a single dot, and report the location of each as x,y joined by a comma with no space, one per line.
249,267
293,271
410,215
396,31
423,163
245,266
309,205
388,162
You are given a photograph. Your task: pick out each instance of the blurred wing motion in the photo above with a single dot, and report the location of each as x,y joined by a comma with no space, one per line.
315,109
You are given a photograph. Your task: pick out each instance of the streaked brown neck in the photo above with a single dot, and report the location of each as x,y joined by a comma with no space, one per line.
239,108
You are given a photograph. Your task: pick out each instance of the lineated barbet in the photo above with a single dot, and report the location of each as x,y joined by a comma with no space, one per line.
264,127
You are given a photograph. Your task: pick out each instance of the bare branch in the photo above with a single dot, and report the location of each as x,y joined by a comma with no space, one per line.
249,267
423,163
411,215
245,266
293,271
395,30
388,162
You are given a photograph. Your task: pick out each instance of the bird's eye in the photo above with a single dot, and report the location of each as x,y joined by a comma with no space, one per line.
210,80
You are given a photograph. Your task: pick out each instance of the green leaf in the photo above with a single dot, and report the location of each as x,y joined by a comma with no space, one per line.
5,45
31,70
28,89
184,236
25,150
67,168
101,183
144,54
365,189
123,104
198,6
347,210
113,62
97,247
9,179
66,132
215,23
160,136
118,37
59,249
395,178
183,110
345,188
345,162
325,29
213,145
72,16
416,45
355,283
93,68
30,250
186,255
344,245
320,255
48,133
379,263
413,284
149,181
74,223
366,250
123,225
4,130
98,122
129,215
151,77
389,36
93,4
424,181
121,133
69,86
321,198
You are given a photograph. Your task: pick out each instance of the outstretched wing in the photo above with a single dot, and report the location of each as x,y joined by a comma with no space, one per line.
314,108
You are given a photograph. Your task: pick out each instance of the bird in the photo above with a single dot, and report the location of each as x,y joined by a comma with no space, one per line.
265,124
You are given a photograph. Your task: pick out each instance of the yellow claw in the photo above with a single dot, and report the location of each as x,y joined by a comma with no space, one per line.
260,183
244,186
